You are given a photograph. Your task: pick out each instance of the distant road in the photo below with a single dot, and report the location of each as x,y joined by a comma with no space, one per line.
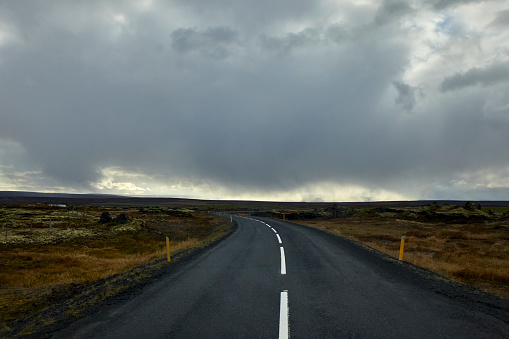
275,279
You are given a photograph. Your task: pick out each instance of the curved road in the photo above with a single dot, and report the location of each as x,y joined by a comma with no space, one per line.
273,279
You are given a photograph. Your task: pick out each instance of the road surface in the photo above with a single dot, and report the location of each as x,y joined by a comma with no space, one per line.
274,279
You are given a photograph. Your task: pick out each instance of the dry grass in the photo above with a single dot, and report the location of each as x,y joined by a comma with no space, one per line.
33,269
34,258
473,253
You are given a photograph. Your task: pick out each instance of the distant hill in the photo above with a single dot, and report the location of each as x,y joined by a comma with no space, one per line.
20,197
55,195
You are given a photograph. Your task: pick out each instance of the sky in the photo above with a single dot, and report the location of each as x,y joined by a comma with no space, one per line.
301,100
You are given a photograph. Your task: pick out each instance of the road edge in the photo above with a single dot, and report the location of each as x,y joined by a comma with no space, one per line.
82,300
488,303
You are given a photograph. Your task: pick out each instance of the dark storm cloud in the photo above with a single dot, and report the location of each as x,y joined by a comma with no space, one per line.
443,4
406,95
391,10
309,37
266,96
213,42
477,76
291,41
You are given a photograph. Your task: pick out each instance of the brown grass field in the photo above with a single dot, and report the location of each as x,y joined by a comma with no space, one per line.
44,248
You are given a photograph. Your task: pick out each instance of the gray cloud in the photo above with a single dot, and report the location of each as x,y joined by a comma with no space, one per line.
406,95
501,20
443,4
291,41
476,76
213,42
391,10
309,37
238,97
254,17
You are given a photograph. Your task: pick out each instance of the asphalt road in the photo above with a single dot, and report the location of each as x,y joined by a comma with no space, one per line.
274,279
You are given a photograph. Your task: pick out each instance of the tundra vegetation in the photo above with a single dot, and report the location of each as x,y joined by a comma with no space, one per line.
45,249
467,243
50,253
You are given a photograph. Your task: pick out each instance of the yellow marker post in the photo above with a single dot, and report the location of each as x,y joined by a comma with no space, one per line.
401,248
168,249
284,216
231,218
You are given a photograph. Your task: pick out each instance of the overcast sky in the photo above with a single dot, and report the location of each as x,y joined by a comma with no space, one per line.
267,100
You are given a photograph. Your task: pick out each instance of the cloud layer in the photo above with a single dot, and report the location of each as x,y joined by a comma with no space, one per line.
238,99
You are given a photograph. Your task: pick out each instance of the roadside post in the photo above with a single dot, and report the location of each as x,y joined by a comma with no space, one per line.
168,249
284,216
401,248
231,218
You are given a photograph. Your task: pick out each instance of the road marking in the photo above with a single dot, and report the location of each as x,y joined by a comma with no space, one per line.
279,238
284,330
273,230
283,261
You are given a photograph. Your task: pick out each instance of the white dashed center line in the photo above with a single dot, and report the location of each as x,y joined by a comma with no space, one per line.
283,261
284,324
284,331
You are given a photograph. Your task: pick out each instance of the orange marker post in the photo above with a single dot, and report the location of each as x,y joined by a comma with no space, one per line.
401,248
168,249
